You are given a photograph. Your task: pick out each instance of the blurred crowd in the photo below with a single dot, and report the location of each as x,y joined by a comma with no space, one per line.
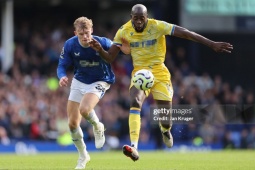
33,107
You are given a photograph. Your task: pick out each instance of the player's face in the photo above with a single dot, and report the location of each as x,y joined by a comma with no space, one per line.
84,36
139,21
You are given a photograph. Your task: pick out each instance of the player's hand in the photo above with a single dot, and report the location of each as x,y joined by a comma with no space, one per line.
95,45
63,82
222,47
125,47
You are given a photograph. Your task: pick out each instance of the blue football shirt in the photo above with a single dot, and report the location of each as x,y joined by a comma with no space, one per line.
89,67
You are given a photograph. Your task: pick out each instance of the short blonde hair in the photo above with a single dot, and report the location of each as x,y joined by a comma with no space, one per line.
82,23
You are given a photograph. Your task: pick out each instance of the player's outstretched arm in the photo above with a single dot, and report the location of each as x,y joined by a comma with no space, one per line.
109,55
216,46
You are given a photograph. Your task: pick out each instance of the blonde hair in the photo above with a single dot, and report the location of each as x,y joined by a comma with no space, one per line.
82,23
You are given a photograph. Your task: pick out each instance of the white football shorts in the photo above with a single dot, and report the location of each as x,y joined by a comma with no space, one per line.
78,89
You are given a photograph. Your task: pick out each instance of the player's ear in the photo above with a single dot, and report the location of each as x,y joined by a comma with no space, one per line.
91,30
75,33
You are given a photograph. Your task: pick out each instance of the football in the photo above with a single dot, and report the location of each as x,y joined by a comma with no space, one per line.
143,79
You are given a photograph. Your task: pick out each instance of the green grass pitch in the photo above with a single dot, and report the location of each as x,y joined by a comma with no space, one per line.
153,160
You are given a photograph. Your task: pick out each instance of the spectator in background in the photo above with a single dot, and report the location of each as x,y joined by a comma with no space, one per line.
207,133
4,139
244,139
228,142
249,108
251,138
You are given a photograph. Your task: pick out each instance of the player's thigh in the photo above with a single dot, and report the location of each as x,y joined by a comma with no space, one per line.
167,104
74,99
88,102
92,94
164,105
166,117
162,90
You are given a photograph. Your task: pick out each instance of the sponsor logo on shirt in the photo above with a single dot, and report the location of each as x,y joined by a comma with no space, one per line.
77,54
85,63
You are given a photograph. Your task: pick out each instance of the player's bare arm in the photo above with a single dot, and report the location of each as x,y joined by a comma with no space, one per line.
216,46
109,55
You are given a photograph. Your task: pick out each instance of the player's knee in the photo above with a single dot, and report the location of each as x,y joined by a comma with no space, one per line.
73,124
166,125
84,110
137,97
136,102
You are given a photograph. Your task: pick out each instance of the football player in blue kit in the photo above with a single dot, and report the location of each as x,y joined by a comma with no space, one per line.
92,77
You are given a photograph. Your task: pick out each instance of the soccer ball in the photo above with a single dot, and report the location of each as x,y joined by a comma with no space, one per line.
143,79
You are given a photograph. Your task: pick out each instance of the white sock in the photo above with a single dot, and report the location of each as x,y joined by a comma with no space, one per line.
92,118
77,137
134,144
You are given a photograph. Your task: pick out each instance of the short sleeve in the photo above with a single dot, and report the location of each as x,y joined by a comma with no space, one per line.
165,27
118,35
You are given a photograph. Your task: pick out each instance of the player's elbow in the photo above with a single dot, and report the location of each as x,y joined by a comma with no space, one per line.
184,33
111,59
108,60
